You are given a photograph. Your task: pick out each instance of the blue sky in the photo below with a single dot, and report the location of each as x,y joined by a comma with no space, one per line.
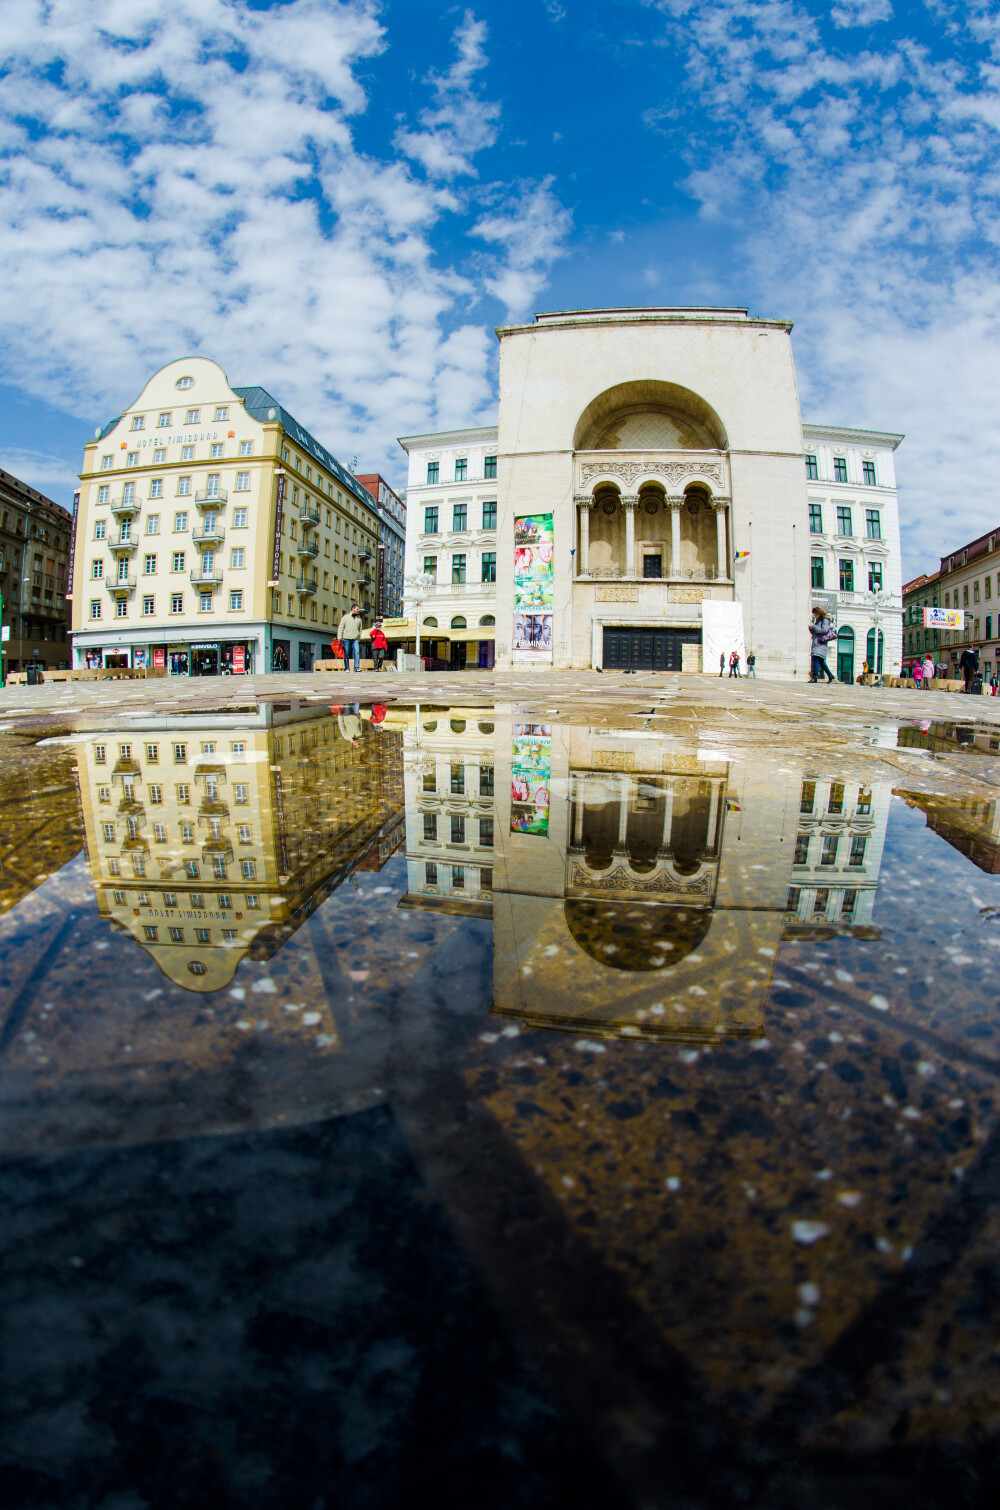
340,201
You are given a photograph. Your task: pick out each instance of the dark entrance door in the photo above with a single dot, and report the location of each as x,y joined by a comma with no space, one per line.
652,566
646,649
459,653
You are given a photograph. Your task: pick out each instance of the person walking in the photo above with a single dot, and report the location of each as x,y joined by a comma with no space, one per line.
752,664
379,644
917,673
821,631
349,631
928,668
722,662
969,664
734,664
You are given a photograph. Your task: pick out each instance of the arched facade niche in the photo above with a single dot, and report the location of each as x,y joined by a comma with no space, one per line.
653,531
699,538
645,834
649,415
607,531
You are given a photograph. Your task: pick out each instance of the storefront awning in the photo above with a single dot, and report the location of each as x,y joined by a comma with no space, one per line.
483,632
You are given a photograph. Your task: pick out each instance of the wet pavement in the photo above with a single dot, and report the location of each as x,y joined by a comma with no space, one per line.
552,1099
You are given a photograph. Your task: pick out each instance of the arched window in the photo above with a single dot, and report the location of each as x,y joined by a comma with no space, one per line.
487,621
430,623
845,654
458,622
458,725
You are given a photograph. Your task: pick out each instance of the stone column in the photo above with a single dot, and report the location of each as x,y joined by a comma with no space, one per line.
583,502
721,506
630,502
578,791
713,816
675,505
668,817
624,790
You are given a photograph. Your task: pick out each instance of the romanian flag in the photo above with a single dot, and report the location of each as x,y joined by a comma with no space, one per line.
741,555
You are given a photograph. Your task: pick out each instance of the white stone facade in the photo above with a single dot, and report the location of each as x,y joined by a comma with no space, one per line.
451,534
856,570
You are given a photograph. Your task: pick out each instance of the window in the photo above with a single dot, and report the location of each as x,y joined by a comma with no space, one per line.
176,602
184,487
486,833
148,565
430,521
97,570
238,749
840,469
858,845
457,829
868,471
187,833
121,608
148,607
152,524
246,447
489,516
430,826
816,518
243,482
459,517
244,833
489,468
192,416
873,524
109,833
430,873
132,459
236,600
156,795
177,561
844,521
222,412
989,626
835,802
241,794
874,576
431,566
965,595
831,843
205,602
236,556
847,576
138,422
817,571
432,471
987,587
216,449
801,856
239,519
104,493
458,780
461,468
183,793
489,566
812,470
458,877
187,453
249,869
107,462
975,592
486,781
457,569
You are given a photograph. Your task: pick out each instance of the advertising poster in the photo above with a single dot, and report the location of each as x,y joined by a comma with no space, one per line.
531,770
159,655
533,588
944,618
239,660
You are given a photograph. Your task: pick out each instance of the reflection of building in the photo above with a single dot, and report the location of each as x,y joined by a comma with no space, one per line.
210,843
215,534
855,566
838,852
389,565
34,562
451,536
449,779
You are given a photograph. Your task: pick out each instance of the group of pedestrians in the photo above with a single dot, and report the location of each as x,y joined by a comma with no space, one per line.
347,645
734,664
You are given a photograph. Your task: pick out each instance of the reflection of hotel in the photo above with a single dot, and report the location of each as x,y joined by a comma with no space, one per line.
209,843
449,779
838,851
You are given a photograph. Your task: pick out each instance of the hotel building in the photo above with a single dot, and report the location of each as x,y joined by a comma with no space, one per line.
214,534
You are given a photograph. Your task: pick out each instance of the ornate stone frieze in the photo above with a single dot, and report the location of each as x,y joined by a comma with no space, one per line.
630,500
673,471
660,881
623,594
614,760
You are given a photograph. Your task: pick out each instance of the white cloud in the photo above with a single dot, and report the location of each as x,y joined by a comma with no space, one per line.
531,227
860,12
861,188
45,470
183,175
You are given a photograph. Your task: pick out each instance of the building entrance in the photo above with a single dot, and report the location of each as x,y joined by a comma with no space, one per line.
646,649
204,660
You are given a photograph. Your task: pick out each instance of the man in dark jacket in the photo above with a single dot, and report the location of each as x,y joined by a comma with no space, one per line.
969,662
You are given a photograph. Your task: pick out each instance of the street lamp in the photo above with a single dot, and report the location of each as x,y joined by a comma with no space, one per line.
417,587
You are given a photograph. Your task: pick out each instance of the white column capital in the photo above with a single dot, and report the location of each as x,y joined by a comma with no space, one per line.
630,500
584,500
675,500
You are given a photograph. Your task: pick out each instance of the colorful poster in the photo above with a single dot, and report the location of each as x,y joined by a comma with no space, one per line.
944,618
239,660
533,588
159,655
531,771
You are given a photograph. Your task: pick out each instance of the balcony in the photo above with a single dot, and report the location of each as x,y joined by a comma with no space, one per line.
305,585
127,770
210,578
365,581
209,772
120,506
123,543
366,555
307,547
203,535
217,849
308,513
120,584
208,500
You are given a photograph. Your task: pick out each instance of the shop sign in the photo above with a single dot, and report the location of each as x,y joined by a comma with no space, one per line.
214,646
944,618
239,660
72,543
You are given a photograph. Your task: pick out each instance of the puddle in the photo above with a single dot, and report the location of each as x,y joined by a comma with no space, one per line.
526,1105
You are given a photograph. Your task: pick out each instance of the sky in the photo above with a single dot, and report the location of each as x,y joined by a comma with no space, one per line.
340,199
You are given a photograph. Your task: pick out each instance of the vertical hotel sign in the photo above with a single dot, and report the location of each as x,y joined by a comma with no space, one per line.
533,588
380,576
279,519
72,543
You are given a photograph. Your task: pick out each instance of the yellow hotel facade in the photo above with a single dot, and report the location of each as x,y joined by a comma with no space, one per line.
214,535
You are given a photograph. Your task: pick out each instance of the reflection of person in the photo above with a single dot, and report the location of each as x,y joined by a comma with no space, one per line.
349,723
